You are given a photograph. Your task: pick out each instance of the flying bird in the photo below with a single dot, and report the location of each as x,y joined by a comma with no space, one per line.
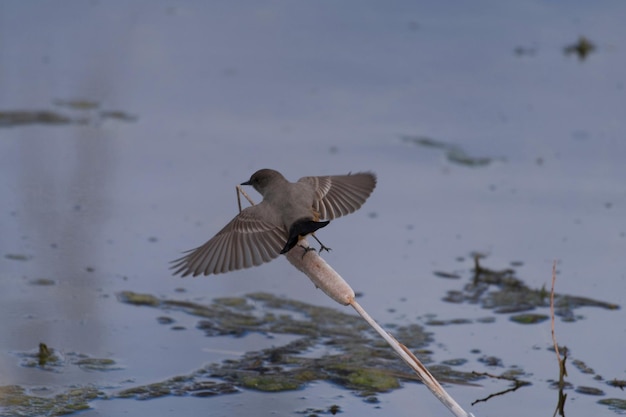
289,212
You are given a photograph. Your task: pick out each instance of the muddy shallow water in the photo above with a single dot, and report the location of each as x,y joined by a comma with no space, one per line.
493,129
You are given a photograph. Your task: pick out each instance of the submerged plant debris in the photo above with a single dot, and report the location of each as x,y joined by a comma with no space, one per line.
17,401
17,257
77,112
354,357
581,48
454,153
49,359
359,361
618,405
504,293
330,346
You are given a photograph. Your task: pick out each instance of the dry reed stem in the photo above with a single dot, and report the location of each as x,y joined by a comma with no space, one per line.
560,406
328,280
556,346
561,360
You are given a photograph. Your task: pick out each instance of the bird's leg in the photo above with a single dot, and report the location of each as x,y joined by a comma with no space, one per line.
322,246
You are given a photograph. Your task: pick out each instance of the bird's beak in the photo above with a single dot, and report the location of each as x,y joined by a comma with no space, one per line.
245,183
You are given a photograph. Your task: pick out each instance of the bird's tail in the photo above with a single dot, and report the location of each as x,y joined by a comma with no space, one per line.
301,228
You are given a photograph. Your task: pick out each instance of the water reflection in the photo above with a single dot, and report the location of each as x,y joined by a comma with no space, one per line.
63,185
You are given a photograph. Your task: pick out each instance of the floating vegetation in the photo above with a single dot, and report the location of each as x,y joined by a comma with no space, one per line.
330,346
439,322
504,293
117,115
49,359
525,50
358,360
449,275
194,385
77,112
77,104
43,357
617,405
589,390
580,48
582,367
42,282
618,383
16,256
14,118
129,297
16,401
96,364
454,153
529,318
355,357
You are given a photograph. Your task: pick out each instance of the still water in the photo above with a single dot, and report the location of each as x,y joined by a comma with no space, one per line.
125,126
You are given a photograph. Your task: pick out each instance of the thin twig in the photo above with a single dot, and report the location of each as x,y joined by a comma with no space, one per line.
556,346
561,360
517,384
560,407
238,191
242,191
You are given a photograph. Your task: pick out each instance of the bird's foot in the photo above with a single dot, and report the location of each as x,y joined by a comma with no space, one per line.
323,247
306,249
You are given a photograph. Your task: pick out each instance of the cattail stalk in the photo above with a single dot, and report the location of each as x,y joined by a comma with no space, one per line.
332,284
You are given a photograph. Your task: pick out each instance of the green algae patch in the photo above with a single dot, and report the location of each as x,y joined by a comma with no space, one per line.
49,359
16,401
354,355
271,383
365,381
617,405
234,302
147,392
137,299
97,364
529,318
329,345
225,318
325,344
43,357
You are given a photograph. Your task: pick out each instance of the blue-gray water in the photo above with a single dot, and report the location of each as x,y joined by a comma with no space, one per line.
207,93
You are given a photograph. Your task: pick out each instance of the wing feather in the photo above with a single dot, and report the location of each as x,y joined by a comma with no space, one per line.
250,239
338,195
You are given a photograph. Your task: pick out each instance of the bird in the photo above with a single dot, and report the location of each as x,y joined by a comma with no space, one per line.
289,212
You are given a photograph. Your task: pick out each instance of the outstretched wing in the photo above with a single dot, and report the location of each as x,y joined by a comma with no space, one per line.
338,195
250,239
